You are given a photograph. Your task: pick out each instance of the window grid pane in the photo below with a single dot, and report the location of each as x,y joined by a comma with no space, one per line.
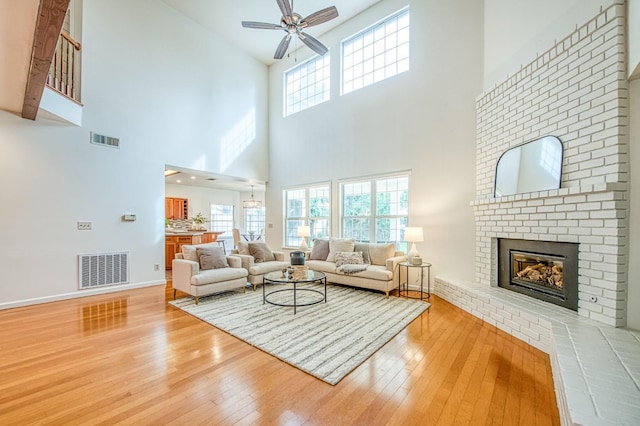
306,206
254,220
376,53
307,85
221,217
376,210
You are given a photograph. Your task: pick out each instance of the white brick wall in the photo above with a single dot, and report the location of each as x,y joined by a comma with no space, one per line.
576,91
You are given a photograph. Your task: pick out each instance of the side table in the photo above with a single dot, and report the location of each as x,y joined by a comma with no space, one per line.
406,290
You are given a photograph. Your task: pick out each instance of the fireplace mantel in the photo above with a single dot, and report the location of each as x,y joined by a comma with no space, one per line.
576,190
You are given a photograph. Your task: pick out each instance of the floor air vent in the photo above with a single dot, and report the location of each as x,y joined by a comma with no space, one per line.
105,140
103,269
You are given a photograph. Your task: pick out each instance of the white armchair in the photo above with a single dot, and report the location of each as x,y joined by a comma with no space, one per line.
190,279
255,269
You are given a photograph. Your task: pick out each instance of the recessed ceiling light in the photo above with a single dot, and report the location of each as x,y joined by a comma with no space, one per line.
178,181
193,177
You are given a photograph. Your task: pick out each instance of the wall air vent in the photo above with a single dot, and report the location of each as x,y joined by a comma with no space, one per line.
102,269
105,140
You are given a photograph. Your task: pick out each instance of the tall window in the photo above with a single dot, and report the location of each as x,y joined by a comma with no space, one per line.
306,206
376,210
222,218
254,220
376,53
307,85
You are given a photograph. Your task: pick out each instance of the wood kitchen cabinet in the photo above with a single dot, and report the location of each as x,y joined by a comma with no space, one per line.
176,208
173,244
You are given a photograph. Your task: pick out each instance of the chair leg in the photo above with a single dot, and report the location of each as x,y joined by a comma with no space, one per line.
174,294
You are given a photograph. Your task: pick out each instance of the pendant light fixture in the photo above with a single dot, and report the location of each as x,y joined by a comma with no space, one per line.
251,203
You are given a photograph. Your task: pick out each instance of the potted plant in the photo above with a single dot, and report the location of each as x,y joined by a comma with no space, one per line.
198,221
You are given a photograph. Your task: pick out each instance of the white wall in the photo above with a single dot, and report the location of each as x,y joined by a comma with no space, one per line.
174,94
422,121
633,315
515,30
633,37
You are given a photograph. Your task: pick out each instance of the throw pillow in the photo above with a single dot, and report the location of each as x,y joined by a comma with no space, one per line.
320,249
379,253
364,248
260,252
243,248
212,258
189,253
339,244
348,258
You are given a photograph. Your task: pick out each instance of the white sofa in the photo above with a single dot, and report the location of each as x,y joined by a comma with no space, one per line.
189,278
381,274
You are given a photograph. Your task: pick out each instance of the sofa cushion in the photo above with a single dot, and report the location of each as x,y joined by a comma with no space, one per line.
321,265
373,272
243,248
364,248
339,244
189,253
320,249
261,252
379,253
212,276
266,267
211,258
349,258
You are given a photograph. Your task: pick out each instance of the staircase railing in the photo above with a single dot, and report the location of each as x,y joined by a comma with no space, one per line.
64,74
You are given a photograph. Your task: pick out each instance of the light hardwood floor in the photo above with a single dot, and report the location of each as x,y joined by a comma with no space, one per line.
131,358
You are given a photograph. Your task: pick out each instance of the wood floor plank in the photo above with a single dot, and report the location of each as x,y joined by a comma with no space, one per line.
130,358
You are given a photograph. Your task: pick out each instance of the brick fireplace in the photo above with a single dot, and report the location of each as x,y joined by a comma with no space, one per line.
576,91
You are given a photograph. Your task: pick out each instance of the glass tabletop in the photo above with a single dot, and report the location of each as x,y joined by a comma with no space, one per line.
278,276
423,264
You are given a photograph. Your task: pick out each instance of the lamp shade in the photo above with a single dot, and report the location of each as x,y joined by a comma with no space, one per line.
413,234
303,231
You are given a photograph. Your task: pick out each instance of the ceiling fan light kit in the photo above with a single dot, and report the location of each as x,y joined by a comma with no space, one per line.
293,24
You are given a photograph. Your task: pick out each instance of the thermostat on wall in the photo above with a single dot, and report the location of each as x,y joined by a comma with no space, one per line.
128,217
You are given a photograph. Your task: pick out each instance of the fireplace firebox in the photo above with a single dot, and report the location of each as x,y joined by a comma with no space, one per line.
545,270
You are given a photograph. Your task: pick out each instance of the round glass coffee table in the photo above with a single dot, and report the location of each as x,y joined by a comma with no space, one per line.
311,277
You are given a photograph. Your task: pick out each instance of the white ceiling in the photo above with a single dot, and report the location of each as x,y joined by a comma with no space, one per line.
224,17
189,177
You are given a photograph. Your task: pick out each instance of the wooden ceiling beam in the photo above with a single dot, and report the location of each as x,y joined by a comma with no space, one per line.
48,26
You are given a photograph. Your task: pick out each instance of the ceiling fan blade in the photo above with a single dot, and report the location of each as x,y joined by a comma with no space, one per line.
282,47
285,8
313,43
319,17
261,25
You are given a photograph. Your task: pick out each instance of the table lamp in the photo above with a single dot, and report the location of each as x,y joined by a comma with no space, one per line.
304,232
413,235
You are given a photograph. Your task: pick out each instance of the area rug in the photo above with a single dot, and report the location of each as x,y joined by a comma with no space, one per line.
327,340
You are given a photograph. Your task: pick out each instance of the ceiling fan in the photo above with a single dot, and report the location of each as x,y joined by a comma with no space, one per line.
293,24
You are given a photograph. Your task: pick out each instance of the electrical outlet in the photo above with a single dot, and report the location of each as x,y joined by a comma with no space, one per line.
84,226
156,266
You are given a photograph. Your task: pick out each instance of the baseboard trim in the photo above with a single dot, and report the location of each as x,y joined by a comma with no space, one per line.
79,293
